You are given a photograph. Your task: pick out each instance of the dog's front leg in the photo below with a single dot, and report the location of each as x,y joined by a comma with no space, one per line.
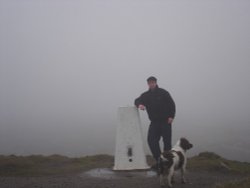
162,183
170,176
183,171
173,179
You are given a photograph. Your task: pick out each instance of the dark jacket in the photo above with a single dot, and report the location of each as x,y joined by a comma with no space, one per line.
159,104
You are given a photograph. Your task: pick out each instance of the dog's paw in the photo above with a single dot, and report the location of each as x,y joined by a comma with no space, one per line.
183,181
162,183
170,185
173,181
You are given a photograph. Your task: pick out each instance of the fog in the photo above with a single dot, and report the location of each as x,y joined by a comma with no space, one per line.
67,65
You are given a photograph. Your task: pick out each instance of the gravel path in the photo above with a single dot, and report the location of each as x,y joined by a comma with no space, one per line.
196,180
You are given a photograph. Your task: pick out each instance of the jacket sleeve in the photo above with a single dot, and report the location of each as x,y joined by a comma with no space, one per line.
139,101
172,107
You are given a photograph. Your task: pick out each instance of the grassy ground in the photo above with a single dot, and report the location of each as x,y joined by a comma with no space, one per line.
240,184
38,165
213,162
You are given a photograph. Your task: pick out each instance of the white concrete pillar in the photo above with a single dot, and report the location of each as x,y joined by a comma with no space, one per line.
129,152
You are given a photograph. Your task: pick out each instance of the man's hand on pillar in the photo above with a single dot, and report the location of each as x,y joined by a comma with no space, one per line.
141,107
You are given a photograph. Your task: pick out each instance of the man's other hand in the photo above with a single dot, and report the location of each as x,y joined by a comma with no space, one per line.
170,120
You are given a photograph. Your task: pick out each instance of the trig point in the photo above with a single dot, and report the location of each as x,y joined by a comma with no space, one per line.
129,152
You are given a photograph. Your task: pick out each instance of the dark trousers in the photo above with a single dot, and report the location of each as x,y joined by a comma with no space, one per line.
155,132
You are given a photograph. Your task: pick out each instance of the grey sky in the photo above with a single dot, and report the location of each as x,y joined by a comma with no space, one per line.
66,66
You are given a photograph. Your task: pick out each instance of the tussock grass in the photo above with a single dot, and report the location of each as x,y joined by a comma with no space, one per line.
213,162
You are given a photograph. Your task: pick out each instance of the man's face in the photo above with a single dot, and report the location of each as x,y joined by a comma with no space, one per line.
152,84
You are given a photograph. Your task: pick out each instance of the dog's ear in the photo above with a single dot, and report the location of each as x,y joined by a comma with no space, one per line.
185,144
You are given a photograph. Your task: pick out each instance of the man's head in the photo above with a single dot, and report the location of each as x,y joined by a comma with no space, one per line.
152,82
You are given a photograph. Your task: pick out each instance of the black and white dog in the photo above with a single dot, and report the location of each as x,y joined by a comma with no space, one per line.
172,160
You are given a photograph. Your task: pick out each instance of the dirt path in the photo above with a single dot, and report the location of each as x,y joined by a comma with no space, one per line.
196,179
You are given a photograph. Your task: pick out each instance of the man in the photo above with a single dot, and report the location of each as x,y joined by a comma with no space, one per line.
161,112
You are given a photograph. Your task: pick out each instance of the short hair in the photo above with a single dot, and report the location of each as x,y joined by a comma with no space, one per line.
152,78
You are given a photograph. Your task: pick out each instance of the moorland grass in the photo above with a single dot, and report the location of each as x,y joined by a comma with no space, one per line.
39,165
210,161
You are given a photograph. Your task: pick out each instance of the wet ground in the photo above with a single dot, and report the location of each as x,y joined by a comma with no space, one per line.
106,178
106,173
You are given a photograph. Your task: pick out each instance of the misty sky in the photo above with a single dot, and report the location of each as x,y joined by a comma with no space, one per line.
67,65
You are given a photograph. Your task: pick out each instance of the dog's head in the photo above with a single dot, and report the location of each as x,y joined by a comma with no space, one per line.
185,144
